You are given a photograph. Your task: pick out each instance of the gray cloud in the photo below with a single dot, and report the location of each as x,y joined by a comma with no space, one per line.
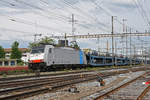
55,15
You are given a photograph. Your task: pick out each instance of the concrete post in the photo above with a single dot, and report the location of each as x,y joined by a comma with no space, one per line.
15,62
2,63
9,63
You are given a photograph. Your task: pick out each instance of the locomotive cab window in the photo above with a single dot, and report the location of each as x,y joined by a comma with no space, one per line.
41,50
37,50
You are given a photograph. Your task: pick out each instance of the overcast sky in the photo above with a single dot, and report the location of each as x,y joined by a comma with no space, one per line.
21,19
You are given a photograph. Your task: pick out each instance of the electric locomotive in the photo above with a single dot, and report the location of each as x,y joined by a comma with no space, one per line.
50,57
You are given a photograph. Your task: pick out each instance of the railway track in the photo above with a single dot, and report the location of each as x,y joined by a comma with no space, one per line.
16,89
145,91
56,74
43,75
131,90
32,87
28,90
14,83
11,84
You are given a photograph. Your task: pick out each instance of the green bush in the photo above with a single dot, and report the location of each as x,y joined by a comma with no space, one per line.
20,63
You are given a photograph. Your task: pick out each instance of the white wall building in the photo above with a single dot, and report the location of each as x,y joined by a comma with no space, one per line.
25,54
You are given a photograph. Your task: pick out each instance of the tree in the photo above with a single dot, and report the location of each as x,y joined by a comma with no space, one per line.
75,45
45,40
33,45
2,52
15,53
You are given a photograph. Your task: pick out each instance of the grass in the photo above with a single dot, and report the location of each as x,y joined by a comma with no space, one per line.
30,72
15,72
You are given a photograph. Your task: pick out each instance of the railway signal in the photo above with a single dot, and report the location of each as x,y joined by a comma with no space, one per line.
146,83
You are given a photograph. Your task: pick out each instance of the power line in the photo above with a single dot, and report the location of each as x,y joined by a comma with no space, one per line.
12,30
144,12
40,9
141,11
26,22
86,14
108,13
31,23
43,10
14,5
6,2
36,7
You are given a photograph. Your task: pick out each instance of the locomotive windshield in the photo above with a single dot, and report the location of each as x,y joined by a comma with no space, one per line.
37,50
41,50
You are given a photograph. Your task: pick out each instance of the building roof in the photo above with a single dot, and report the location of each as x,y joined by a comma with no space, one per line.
21,49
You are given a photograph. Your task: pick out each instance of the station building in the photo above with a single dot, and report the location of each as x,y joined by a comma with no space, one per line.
13,62
8,62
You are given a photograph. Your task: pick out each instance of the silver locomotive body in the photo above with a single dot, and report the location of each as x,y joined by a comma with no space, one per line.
53,57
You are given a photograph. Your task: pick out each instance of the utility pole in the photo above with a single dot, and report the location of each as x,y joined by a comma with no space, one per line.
115,47
126,43
98,43
130,48
134,48
122,50
65,40
124,24
124,28
115,52
107,46
142,51
73,29
112,19
145,62
35,35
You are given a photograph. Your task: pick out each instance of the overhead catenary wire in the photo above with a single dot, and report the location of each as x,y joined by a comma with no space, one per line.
109,14
6,2
59,17
144,12
88,15
80,23
80,10
36,7
43,10
26,22
30,23
141,11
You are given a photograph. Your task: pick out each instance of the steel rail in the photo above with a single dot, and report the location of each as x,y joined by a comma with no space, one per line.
43,75
32,81
46,88
18,82
119,87
141,96
37,85
2,80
